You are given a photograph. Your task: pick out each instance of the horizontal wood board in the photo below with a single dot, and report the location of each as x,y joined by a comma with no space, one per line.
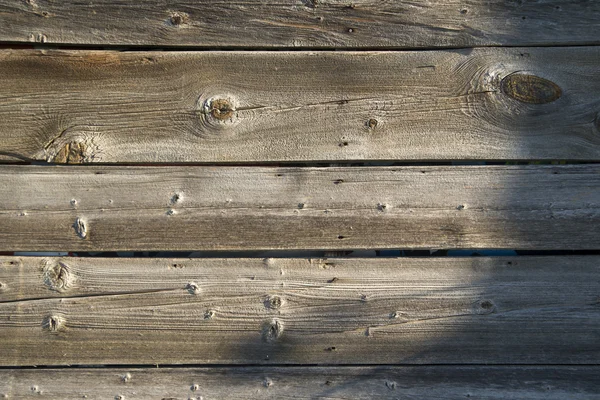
244,383
523,310
301,23
240,107
104,208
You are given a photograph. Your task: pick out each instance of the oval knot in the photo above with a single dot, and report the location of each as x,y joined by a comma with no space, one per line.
530,88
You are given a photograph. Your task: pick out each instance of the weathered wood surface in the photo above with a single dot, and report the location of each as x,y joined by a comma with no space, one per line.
382,382
94,208
300,311
494,103
305,23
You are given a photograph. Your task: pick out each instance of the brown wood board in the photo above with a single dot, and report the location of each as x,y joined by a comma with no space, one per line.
104,208
256,107
301,23
517,310
244,383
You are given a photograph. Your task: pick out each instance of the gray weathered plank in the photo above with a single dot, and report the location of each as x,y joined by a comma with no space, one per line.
300,311
382,382
93,208
294,23
105,106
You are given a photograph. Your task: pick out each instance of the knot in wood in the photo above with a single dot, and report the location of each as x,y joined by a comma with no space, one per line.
383,207
176,198
391,385
530,88
178,18
80,227
372,123
221,109
273,302
71,153
57,276
486,307
193,288
53,323
272,330
267,382
217,114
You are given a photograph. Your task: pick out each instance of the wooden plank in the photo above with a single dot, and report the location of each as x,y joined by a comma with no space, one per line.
301,23
522,310
109,208
153,107
382,382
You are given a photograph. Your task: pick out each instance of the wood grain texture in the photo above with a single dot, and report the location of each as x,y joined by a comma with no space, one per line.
109,208
156,107
300,311
301,23
245,383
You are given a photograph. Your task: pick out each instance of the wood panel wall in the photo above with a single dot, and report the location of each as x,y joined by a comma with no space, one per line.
185,158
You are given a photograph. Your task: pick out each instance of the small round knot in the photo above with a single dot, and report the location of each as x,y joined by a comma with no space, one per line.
217,113
372,123
221,109
273,302
178,19
383,207
486,307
